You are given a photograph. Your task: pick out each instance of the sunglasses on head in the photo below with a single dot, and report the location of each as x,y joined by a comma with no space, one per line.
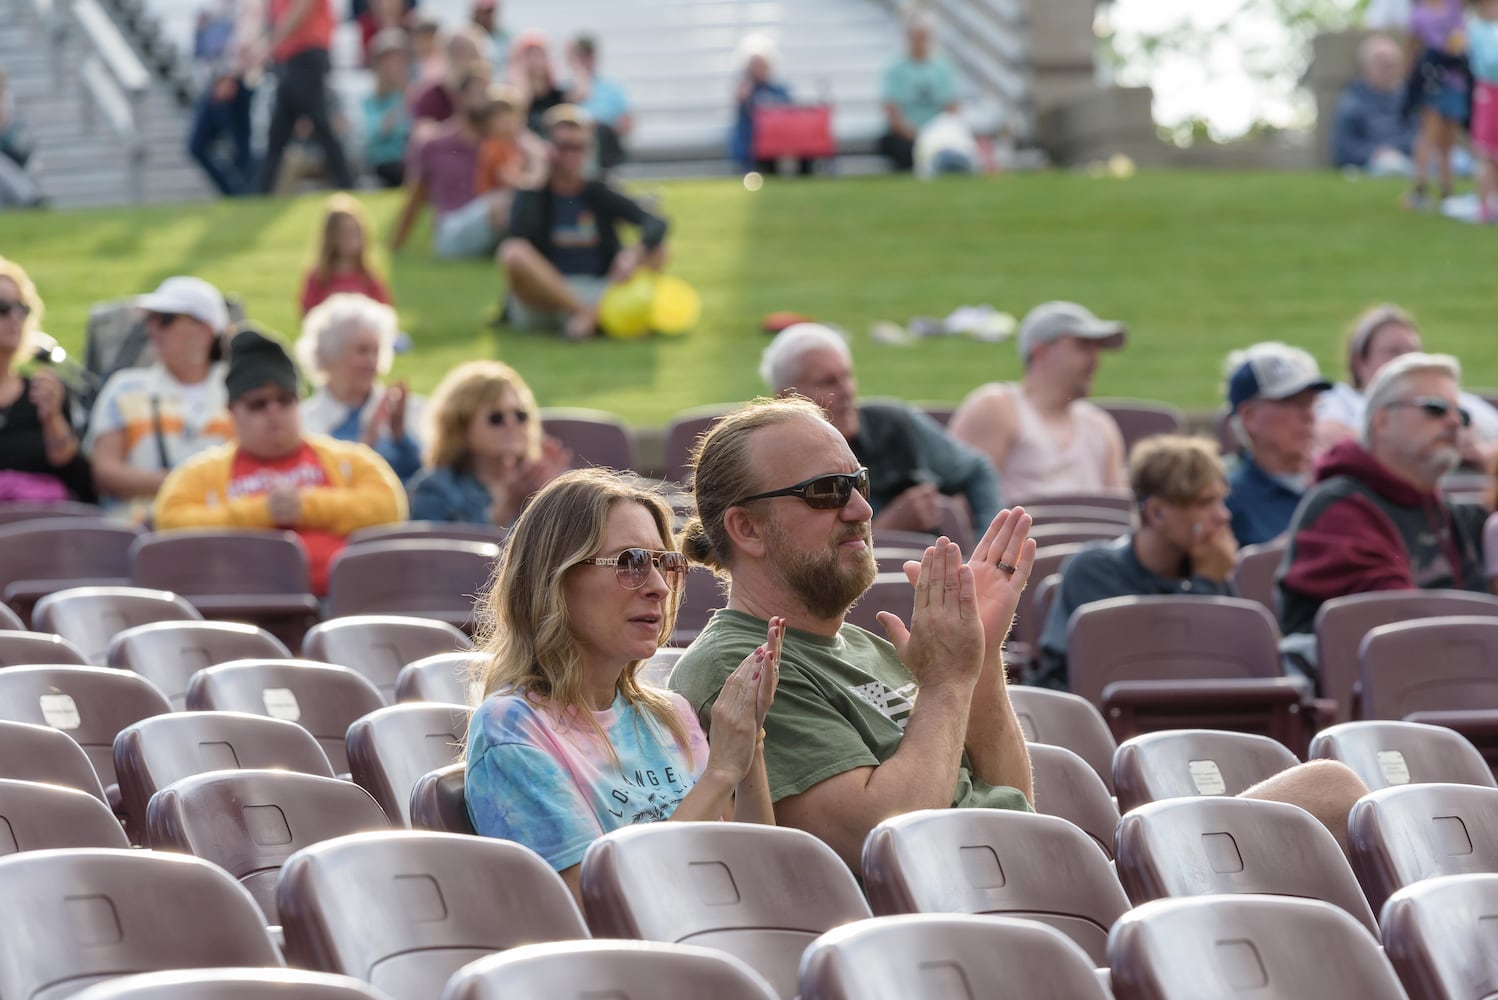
20,308
498,418
1436,408
632,567
829,492
259,404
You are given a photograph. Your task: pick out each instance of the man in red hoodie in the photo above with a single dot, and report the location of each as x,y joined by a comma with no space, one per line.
1374,520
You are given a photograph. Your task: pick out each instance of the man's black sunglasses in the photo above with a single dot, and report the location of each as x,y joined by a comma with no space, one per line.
829,492
1436,408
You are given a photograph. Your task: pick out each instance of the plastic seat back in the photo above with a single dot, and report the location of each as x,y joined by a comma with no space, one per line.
155,752
1198,847
90,704
233,984
22,647
391,748
618,970
29,752
438,802
1399,836
95,914
443,678
168,653
250,822
405,910
761,893
1437,935
595,437
996,862
946,955
1066,787
378,646
1430,665
438,579
1061,719
90,617
1191,762
37,817
1261,946
1386,754
321,698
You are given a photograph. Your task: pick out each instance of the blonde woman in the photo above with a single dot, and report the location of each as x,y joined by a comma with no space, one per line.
40,459
485,453
567,742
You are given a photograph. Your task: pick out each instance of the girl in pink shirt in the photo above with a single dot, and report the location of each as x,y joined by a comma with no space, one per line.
342,264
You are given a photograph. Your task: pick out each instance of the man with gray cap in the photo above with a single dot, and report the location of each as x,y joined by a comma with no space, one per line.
1271,390
147,420
1041,434
275,476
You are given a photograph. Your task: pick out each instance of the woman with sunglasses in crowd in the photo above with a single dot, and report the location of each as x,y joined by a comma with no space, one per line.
40,457
568,741
485,453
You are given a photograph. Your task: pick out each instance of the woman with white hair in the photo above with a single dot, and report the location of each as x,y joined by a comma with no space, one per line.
347,343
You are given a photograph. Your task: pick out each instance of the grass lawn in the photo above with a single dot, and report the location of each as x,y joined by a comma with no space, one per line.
1197,264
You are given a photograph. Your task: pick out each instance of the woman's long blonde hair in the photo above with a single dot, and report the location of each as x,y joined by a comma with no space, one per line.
526,643
340,206
27,291
467,389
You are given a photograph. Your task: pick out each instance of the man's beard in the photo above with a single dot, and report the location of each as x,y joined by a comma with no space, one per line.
820,580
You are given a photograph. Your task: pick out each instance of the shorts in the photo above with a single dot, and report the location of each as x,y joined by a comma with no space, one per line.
466,232
588,287
1485,121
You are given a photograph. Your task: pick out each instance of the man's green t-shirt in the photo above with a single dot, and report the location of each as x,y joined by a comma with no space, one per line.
842,703
920,89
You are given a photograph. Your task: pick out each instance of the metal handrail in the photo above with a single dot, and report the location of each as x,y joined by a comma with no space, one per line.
115,83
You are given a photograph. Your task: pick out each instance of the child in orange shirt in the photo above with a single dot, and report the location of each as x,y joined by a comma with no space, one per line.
502,156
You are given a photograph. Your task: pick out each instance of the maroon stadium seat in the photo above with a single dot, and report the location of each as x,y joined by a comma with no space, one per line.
250,822
1138,419
1216,846
438,579
682,434
56,553
168,653
1231,946
1060,719
761,893
595,437
890,592
996,862
233,984
1044,514
155,752
617,970
406,910
10,621
1191,762
1438,935
1386,754
437,801
90,617
321,698
1068,787
92,915
1401,835
701,595
17,648
38,817
1342,622
378,646
1255,571
939,955
40,753
1455,657
391,748
1120,500
443,677
429,531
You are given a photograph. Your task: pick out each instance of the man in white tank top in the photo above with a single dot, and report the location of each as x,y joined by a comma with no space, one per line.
1041,434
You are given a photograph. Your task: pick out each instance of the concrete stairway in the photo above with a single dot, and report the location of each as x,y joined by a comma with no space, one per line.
78,164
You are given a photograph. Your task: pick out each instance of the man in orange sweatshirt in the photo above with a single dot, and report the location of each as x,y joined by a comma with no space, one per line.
274,476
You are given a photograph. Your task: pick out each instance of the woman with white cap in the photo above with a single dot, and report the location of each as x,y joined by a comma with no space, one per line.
148,420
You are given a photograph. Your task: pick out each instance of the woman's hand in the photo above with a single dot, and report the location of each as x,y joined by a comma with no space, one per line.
46,395
739,713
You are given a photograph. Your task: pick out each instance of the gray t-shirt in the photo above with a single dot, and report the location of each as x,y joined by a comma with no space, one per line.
842,703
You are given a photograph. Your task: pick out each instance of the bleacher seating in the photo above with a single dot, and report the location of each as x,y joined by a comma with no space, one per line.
232,984
1387,754
1399,836
90,617
391,748
40,817
379,646
581,970
168,653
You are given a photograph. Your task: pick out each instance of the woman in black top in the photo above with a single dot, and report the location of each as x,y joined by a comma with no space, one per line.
40,458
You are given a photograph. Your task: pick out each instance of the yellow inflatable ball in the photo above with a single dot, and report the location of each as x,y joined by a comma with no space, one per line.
676,308
624,309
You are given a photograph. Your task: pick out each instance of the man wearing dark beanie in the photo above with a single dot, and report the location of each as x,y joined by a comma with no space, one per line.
274,476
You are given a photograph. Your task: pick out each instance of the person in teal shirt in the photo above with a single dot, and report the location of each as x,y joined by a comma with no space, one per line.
917,87
387,122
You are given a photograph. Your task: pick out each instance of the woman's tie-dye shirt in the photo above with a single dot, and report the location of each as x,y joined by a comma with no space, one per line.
551,786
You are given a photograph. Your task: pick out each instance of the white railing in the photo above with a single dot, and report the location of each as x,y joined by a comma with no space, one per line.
114,82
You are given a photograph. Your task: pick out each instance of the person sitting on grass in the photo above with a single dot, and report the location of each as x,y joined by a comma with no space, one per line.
342,257
568,741
347,343
275,476
486,455
563,249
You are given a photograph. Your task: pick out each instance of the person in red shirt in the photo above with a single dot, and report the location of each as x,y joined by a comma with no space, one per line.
342,264
300,36
274,475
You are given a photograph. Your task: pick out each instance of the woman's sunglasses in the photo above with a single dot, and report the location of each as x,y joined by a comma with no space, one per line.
1436,408
20,308
632,567
498,418
829,492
